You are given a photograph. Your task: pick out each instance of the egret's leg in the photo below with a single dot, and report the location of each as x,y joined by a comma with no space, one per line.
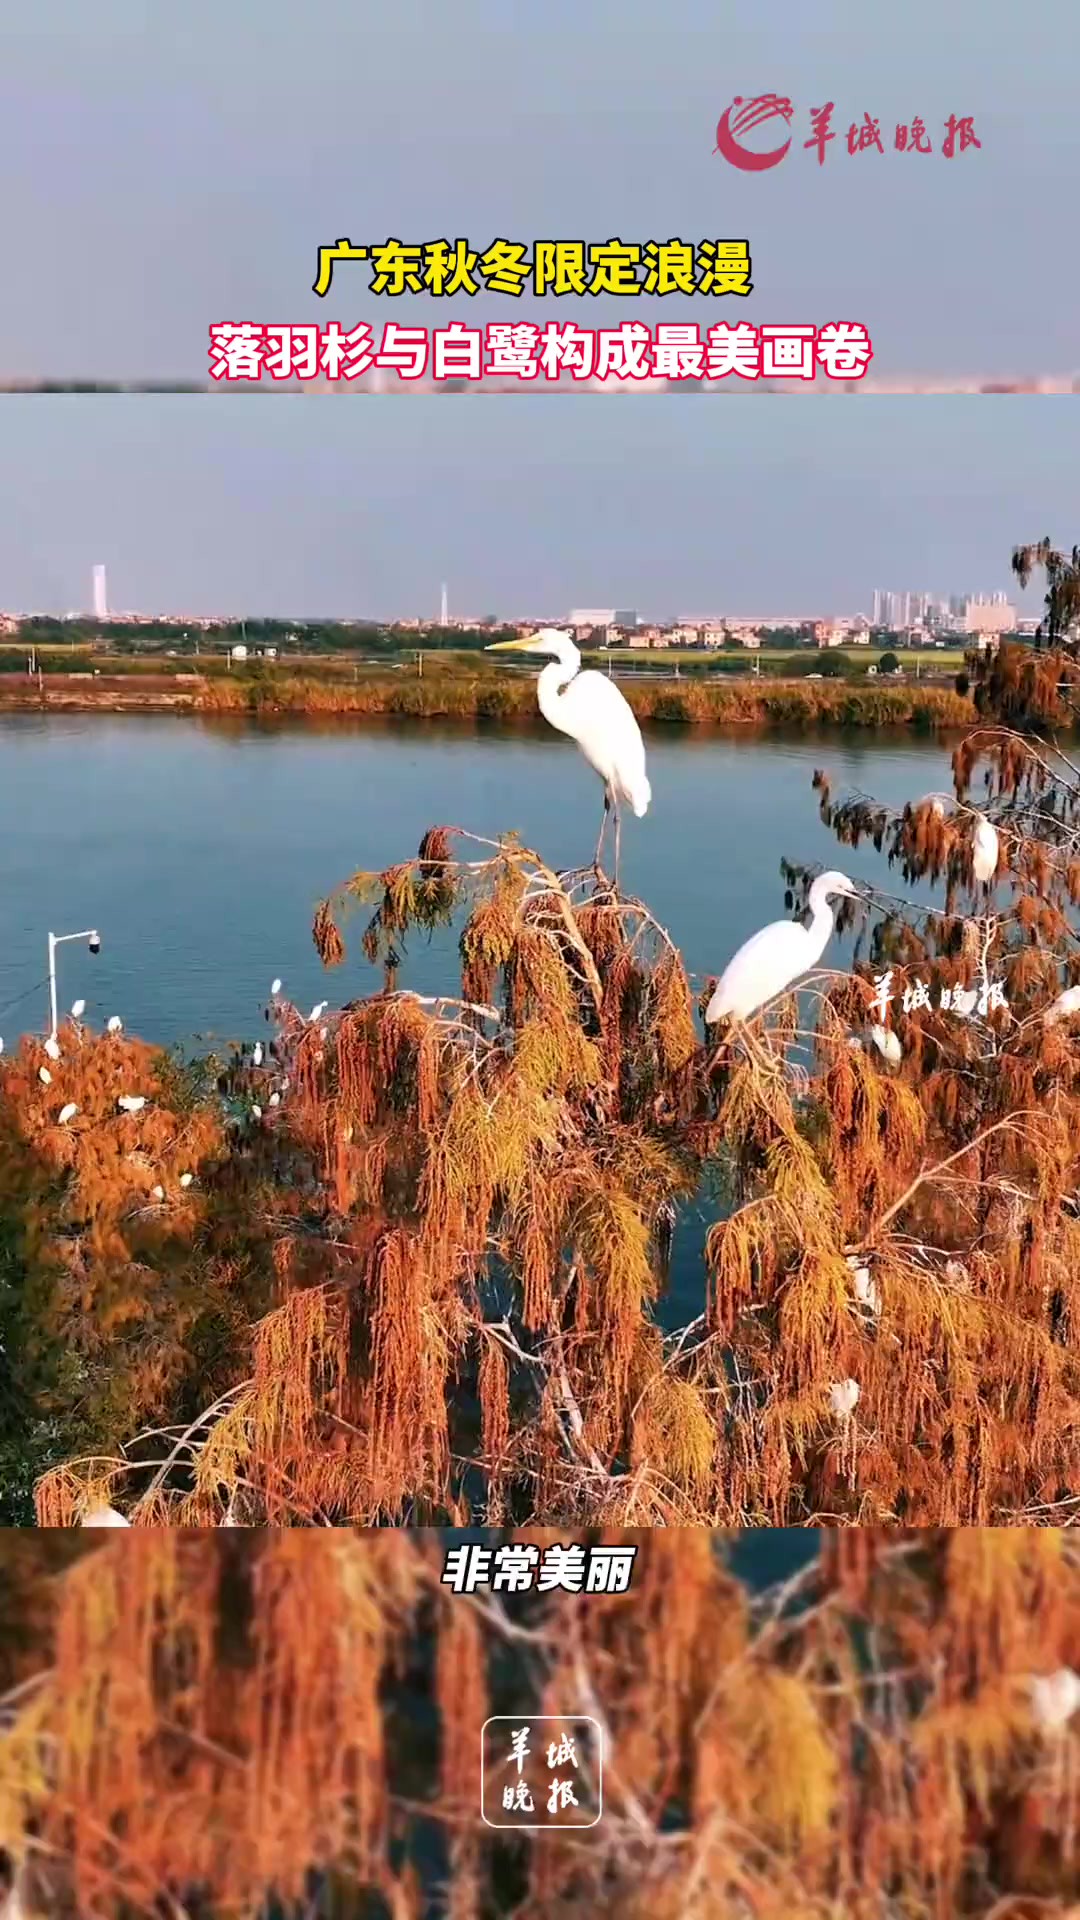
618,823
603,830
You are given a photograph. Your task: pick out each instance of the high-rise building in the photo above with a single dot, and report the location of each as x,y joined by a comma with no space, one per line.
444,612
101,600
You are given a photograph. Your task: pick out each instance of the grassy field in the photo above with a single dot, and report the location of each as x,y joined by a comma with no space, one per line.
736,659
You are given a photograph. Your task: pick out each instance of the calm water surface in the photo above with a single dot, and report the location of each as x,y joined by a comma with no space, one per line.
201,850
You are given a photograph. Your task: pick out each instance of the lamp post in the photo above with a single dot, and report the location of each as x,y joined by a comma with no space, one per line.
93,941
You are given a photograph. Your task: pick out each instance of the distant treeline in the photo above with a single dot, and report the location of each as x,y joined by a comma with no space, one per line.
287,636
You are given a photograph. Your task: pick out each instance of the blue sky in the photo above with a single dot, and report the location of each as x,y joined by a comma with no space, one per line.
208,504
165,167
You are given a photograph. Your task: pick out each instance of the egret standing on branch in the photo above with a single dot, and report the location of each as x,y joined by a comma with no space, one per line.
985,858
589,707
779,955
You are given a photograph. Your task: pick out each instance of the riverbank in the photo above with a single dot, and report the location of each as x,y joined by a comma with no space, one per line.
509,699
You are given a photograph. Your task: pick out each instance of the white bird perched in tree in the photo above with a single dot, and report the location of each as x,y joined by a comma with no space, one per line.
589,707
867,1292
45,1076
275,1099
843,1397
1055,1698
256,1113
1065,1004
132,1102
275,986
887,1044
318,1009
986,849
777,956
257,1054
114,1024
158,1193
78,1008
103,1516
52,1049
186,1179
66,1113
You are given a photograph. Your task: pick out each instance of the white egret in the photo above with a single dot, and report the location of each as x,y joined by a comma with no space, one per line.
66,1113
1065,1004
589,707
158,1193
103,1516
887,1044
1,1046
256,1113
114,1024
132,1102
52,1049
318,1009
45,1076
275,1099
275,986
843,1398
777,956
257,1054
986,849
1055,1698
78,1008
867,1291
186,1179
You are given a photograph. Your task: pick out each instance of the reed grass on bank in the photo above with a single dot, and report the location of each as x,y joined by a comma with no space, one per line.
679,703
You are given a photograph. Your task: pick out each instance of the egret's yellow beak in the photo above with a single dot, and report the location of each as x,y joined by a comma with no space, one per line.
510,646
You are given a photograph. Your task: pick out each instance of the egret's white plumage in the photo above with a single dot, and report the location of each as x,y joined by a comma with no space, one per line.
1055,1698
66,1113
589,707
317,1010
843,1398
777,956
986,849
275,986
186,1179
275,1099
132,1102
103,1516
52,1049
114,1023
256,1113
887,1044
158,1193
257,1054
1065,1004
45,1076
78,1008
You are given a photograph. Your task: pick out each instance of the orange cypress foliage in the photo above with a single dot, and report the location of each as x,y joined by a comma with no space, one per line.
202,1720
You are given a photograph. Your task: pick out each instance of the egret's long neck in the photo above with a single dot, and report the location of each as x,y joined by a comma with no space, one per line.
553,681
821,918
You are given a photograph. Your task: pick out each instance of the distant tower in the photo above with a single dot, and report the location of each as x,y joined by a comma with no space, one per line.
101,601
444,618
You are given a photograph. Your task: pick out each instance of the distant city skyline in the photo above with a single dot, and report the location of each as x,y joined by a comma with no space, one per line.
201,507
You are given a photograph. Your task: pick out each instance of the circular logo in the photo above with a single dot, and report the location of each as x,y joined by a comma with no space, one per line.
740,117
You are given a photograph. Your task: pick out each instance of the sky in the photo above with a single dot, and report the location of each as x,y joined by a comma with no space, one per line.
526,507
164,168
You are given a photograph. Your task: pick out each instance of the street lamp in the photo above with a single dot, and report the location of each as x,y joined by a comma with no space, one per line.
93,941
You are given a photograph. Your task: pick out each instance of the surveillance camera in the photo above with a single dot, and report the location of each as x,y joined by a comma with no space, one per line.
95,943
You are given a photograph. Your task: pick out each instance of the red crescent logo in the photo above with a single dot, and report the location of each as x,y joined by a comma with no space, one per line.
764,106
